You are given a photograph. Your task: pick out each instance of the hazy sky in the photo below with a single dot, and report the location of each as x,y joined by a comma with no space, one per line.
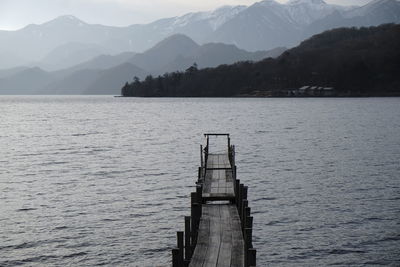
15,14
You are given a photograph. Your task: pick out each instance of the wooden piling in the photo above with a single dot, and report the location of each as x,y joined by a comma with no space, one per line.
175,257
201,156
245,204
251,255
239,204
188,248
179,238
199,193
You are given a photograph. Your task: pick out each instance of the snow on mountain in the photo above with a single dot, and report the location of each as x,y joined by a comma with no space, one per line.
261,26
386,6
213,18
66,20
304,12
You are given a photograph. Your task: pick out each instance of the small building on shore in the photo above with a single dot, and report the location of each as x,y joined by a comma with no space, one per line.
308,90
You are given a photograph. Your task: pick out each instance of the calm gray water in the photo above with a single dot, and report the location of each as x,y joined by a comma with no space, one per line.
87,181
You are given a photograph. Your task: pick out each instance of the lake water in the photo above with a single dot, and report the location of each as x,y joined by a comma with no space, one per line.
87,181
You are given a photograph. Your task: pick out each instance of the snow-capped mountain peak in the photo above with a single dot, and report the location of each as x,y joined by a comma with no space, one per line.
312,2
65,20
214,18
390,6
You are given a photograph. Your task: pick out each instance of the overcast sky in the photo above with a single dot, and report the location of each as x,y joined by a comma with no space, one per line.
15,14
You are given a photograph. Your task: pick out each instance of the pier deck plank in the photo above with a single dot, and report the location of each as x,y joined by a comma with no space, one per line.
218,182
220,242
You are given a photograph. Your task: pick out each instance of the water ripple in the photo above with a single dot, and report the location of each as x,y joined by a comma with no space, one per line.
90,181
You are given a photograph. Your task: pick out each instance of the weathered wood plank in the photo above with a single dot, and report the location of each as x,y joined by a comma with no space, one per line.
214,237
237,259
220,241
200,251
225,253
218,161
218,183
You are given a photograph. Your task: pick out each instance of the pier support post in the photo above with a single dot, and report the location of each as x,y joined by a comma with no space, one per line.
199,193
245,190
249,222
201,156
175,257
194,219
237,184
245,204
199,176
188,250
240,199
179,238
252,253
249,237
233,155
247,245
244,197
246,216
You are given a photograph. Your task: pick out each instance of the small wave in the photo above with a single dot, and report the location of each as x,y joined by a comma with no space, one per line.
376,263
390,238
264,198
19,246
262,132
61,227
25,209
273,222
155,174
52,163
109,220
36,259
345,251
307,229
153,251
78,254
78,134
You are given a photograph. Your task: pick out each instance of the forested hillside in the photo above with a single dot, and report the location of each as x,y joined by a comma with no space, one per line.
355,61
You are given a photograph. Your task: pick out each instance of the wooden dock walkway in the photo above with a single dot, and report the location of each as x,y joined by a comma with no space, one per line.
219,230
218,180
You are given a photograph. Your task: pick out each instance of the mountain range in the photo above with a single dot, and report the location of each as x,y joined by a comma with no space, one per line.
55,56
106,74
66,41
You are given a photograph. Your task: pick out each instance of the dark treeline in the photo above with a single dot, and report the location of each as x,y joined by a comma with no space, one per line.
355,61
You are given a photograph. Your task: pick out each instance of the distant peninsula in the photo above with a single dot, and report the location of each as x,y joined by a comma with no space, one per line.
340,62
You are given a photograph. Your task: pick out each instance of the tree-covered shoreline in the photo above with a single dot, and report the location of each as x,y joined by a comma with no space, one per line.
354,61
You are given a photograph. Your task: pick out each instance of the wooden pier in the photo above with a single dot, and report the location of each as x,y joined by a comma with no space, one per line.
219,230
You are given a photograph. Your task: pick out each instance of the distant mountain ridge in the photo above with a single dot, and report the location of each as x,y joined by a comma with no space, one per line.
106,74
261,26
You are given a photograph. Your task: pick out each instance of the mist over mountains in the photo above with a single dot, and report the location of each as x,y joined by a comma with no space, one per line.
106,74
67,55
